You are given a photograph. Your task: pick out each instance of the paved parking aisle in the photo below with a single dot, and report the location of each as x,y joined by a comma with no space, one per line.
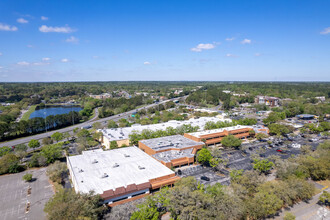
14,195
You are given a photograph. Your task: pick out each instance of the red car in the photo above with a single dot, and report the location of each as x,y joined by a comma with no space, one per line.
279,150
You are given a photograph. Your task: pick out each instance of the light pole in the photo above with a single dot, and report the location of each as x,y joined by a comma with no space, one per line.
45,119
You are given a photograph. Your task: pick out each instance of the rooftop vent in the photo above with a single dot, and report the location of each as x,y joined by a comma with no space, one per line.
80,170
115,165
126,155
141,167
94,161
105,175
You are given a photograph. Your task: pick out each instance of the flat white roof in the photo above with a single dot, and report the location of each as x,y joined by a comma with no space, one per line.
116,134
123,166
168,142
201,133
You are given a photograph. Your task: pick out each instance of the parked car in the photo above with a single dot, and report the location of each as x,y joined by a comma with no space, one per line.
205,178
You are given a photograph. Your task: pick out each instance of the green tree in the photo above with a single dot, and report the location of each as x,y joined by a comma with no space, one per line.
204,156
4,150
83,133
112,124
57,171
9,163
260,136
97,125
34,144
57,136
235,175
27,177
279,129
52,152
47,141
66,204
263,166
113,145
231,141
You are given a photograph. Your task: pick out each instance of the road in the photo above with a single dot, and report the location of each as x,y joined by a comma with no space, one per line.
87,123
307,210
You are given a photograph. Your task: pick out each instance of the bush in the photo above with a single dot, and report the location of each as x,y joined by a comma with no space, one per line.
27,177
57,172
289,216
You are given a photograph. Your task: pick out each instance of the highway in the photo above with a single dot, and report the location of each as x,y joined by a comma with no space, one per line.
25,140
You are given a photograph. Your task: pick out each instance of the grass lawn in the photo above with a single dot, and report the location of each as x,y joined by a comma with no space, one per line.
27,114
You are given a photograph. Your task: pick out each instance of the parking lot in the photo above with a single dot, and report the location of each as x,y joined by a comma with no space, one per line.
14,195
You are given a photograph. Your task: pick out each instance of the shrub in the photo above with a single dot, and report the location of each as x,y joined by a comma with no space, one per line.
27,177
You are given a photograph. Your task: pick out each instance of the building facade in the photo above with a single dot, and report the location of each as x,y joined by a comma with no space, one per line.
214,137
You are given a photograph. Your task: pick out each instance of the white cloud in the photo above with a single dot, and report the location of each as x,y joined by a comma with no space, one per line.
47,29
45,59
230,39
29,46
246,41
1,67
65,60
40,63
230,55
257,54
22,21
72,39
146,63
201,47
325,31
0,54
6,27
23,63
44,18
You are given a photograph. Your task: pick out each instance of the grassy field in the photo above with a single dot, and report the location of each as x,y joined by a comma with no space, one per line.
27,114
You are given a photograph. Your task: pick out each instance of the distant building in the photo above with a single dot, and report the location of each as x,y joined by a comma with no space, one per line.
101,96
119,175
226,91
321,98
172,151
305,117
213,137
266,100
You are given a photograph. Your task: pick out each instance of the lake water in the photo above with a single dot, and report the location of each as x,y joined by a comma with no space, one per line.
44,112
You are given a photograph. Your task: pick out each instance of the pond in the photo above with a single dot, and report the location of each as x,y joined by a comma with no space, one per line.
56,110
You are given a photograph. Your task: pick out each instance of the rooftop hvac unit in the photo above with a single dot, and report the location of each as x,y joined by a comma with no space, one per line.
126,155
94,161
104,175
80,170
115,165
141,167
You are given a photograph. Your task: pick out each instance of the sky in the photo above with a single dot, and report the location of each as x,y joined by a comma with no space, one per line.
170,40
